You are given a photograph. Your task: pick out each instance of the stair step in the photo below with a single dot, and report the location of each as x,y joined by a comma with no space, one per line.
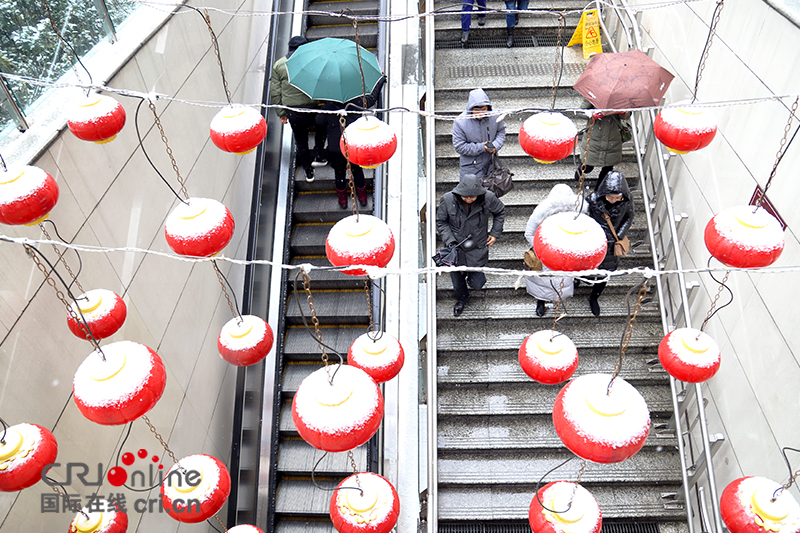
305,525
322,279
297,496
297,457
332,307
367,33
358,8
299,345
502,312
323,207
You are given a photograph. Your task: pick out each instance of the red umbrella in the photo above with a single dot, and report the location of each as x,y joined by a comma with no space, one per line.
623,80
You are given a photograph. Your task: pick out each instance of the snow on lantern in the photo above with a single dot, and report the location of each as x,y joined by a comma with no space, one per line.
359,240
96,118
103,310
599,426
370,142
744,237
123,387
577,510
195,488
548,137
238,129
568,243
548,357
378,354
685,129
338,416
244,528
106,520
27,195
373,509
689,355
757,505
200,227
24,452
245,343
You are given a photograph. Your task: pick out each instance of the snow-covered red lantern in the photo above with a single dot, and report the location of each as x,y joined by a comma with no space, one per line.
27,195
685,129
548,137
378,354
758,505
25,451
200,227
744,237
338,416
245,528
245,340
123,387
370,142
108,519
689,355
576,510
96,118
373,509
195,488
104,312
548,357
601,425
238,129
359,240
568,243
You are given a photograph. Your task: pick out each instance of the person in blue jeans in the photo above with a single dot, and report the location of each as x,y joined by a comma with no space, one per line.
466,17
513,18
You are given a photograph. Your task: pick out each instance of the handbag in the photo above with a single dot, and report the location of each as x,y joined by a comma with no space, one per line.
499,179
531,261
447,257
622,246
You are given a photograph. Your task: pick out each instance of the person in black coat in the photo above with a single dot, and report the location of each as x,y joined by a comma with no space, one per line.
464,214
613,198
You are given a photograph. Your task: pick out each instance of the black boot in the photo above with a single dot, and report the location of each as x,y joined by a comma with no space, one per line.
540,309
593,304
510,40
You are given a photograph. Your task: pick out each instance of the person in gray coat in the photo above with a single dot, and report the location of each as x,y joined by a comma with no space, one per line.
464,214
477,135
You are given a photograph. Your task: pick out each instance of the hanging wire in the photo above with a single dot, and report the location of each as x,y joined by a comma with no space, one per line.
163,443
792,476
157,120
5,429
234,306
62,259
559,302
541,480
559,63
722,286
116,464
579,199
3,162
67,45
314,481
220,523
712,30
213,526
628,332
781,150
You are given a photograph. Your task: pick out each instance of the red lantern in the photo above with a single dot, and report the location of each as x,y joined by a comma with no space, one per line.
97,118
548,137
747,506
370,142
744,237
245,340
244,528
567,243
548,357
359,240
27,195
338,416
238,129
373,509
123,387
689,355
199,491
685,129
601,426
577,510
103,311
106,520
26,450
201,227
378,354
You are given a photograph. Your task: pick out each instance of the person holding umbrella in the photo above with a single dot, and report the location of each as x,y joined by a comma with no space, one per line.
283,93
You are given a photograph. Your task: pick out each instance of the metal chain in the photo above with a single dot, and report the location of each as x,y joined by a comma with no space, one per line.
628,333
161,441
579,198
61,258
350,179
714,302
314,319
712,31
220,523
355,469
561,24
169,150
367,287
360,66
556,318
216,51
60,295
779,154
236,313
580,472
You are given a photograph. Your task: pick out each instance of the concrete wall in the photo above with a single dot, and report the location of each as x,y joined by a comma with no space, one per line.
755,398
111,197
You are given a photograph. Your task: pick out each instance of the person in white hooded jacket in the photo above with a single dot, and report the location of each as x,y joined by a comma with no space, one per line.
560,199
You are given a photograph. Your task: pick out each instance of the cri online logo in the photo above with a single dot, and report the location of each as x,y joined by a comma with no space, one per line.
118,476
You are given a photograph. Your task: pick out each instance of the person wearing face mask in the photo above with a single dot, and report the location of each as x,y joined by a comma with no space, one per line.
612,197
477,135
463,215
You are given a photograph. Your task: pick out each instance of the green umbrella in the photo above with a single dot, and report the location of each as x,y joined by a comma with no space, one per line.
327,69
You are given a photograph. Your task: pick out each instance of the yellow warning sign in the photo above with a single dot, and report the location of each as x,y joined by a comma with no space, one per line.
588,34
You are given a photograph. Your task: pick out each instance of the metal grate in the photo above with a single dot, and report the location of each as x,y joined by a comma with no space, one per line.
511,70
629,527
520,41
524,527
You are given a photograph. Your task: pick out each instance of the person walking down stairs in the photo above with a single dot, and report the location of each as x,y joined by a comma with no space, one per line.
466,17
513,18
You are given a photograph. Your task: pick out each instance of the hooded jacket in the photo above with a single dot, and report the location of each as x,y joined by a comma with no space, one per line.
471,131
281,92
620,213
605,145
456,220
